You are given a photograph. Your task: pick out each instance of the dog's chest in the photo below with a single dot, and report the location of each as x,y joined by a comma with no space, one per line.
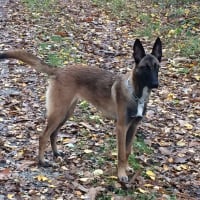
138,108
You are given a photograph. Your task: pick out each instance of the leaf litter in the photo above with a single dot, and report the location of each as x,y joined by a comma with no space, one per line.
90,34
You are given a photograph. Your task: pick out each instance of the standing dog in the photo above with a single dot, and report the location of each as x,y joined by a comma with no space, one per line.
122,98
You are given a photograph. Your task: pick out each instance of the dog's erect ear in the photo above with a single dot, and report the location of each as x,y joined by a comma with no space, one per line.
138,51
157,49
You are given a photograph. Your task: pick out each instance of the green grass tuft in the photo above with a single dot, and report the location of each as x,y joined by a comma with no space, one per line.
39,5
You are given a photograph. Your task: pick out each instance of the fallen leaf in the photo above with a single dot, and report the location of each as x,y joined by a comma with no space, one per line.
66,140
181,143
189,126
52,186
10,196
170,96
151,174
98,172
165,151
142,190
113,177
93,192
4,173
84,179
41,178
88,151
88,126
165,167
170,160
148,185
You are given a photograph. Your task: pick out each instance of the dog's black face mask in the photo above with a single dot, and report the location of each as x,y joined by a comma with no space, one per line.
147,66
147,71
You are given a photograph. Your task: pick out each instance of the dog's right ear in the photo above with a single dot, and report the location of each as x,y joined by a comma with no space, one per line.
138,51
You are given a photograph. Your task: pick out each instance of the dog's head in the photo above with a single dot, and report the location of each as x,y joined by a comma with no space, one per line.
147,65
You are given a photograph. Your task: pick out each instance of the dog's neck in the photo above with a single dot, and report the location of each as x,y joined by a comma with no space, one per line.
140,100
138,93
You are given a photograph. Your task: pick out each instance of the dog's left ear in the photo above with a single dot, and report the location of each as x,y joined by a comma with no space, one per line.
157,49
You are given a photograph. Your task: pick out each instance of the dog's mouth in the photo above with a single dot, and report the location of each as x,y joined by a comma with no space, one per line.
154,85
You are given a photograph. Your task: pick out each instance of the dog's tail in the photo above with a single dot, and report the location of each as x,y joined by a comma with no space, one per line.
29,59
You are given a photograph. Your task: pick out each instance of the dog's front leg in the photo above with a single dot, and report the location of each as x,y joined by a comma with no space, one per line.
129,142
122,158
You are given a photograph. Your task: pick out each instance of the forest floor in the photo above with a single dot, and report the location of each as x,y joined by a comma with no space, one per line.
166,154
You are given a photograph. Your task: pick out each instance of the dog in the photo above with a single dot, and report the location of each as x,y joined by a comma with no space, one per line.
123,98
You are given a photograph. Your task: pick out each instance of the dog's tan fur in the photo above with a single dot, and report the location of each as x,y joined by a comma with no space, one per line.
110,93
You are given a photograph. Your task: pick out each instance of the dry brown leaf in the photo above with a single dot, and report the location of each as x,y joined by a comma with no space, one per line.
93,192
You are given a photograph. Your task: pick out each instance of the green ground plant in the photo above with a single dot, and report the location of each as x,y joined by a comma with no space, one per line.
39,5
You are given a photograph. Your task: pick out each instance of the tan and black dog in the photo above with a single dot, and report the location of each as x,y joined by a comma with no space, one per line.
122,98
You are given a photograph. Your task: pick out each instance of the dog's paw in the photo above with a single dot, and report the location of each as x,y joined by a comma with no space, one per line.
122,175
58,154
123,179
45,163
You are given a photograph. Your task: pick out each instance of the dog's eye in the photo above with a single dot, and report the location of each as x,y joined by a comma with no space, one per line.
145,67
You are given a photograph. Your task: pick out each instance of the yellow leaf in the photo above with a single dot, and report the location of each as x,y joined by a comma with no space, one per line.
178,168
197,77
181,143
20,62
113,177
52,186
43,97
148,185
187,11
66,140
41,178
151,174
188,126
114,153
10,196
170,96
171,32
184,166
142,191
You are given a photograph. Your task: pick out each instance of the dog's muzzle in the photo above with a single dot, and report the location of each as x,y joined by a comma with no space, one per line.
154,85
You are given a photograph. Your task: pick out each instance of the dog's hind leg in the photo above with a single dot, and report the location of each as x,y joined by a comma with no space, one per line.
60,105
53,137
54,122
